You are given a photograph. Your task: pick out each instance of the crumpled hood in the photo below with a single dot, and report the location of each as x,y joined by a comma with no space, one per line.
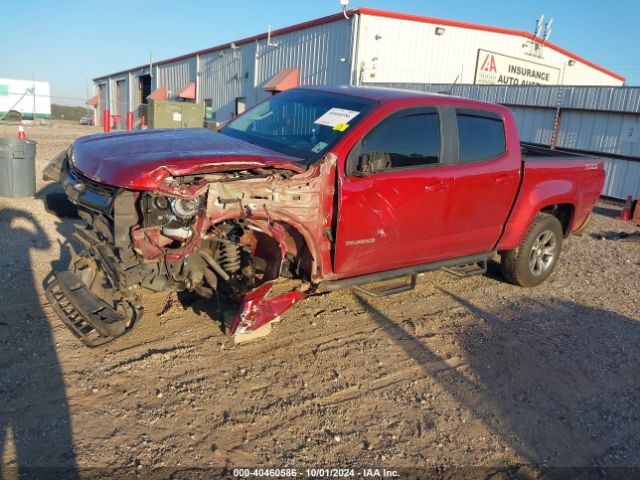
141,160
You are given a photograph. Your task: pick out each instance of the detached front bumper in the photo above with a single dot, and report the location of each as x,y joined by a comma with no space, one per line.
89,318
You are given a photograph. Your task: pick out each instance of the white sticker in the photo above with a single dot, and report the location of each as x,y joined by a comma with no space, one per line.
177,117
336,116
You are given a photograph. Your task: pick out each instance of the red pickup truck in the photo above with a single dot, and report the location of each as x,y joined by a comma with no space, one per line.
314,189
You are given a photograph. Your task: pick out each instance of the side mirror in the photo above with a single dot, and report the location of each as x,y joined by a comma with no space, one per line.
374,162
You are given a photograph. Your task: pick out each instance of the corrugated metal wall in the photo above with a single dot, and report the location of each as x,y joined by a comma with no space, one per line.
225,76
176,75
121,98
597,119
623,178
103,99
321,52
609,99
534,124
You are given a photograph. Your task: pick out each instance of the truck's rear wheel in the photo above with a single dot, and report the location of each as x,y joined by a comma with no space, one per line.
533,261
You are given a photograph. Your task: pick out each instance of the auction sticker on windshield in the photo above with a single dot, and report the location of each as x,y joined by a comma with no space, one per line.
336,116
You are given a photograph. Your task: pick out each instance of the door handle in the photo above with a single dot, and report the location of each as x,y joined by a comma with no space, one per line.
505,179
436,187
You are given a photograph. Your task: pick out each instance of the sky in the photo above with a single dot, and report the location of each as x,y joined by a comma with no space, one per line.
69,42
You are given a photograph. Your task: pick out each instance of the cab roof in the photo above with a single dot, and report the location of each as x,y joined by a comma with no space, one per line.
385,95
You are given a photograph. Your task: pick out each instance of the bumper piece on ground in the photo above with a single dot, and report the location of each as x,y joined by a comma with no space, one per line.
256,311
89,318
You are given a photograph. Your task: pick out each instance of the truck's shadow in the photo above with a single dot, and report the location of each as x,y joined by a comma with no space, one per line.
35,425
556,381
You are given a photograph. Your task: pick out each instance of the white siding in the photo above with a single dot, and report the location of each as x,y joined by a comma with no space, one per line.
18,99
398,50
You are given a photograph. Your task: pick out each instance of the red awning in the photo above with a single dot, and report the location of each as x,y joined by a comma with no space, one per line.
93,101
159,93
188,92
283,80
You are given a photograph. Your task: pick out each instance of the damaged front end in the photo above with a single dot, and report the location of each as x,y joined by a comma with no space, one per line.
247,238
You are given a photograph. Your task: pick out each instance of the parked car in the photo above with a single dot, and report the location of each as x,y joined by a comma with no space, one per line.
314,189
86,120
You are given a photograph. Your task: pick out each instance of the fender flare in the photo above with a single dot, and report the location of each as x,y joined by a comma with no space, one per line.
523,215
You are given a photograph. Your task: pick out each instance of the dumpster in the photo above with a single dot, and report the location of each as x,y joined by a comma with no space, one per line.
17,168
166,114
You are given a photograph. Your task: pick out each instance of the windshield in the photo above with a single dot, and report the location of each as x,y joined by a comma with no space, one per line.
300,123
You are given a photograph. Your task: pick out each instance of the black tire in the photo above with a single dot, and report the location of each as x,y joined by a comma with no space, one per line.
535,259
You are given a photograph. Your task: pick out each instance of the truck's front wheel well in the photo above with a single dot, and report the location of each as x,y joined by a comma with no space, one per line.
563,212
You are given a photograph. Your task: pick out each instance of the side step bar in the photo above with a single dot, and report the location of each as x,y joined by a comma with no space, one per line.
388,291
90,319
468,270
331,285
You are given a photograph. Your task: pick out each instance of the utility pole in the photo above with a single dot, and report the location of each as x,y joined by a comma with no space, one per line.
33,91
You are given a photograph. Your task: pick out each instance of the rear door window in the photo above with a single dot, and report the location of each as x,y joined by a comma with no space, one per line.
409,139
481,135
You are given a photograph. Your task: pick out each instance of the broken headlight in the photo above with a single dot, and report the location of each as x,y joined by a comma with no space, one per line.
184,208
169,211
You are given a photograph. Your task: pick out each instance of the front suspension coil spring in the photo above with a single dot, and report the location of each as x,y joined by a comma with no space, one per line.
230,257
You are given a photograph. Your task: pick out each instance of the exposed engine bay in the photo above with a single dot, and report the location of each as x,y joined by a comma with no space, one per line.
244,238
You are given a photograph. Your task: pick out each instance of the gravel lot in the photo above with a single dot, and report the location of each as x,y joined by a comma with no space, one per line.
459,373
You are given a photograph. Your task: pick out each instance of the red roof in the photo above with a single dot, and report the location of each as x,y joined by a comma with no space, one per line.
93,101
159,93
283,80
188,91
386,14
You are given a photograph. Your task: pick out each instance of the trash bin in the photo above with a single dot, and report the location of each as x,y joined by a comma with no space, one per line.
17,168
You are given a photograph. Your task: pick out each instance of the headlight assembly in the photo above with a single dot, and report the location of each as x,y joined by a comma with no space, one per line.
183,208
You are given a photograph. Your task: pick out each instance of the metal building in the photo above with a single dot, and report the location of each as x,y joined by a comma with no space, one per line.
360,47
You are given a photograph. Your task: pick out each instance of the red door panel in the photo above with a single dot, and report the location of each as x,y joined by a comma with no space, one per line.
487,176
391,220
480,203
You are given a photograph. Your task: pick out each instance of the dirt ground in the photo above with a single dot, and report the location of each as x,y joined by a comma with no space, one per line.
458,374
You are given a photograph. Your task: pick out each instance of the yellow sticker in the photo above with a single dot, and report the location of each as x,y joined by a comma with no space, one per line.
341,127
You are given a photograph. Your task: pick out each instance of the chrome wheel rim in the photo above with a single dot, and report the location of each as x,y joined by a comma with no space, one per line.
543,253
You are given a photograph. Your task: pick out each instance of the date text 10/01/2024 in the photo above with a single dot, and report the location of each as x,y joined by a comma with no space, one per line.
315,472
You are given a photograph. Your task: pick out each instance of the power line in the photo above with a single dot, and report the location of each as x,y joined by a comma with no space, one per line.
30,95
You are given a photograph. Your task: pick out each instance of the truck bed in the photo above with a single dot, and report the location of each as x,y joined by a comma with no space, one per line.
568,179
536,151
